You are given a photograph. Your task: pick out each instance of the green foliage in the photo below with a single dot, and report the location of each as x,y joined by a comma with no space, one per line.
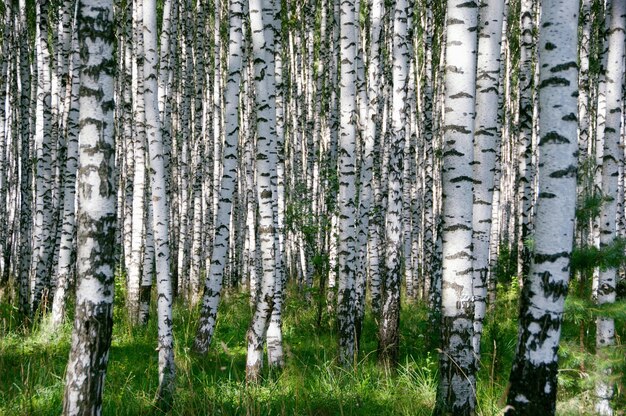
589,208
506,265
33,364
32,376
610,256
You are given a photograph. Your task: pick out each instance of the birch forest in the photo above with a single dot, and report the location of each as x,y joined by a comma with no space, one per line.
312,207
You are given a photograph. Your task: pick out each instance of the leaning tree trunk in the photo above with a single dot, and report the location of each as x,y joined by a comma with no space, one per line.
605,327
533,380
457,364
219,254
93,321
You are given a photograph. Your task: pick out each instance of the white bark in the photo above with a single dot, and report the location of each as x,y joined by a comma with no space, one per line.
485,144
457,385
219,253
158,173
66,250
44,173
261,21
346,296
390,312
93,322
534,374
139,178
607,279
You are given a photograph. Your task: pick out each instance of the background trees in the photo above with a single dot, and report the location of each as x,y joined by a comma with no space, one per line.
343,154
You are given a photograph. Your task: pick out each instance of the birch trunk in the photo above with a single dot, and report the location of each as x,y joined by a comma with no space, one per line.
25,166
93,321
389,336
607,279
261,21
485,144
139,178
533,381
525,136
159,201
219,253
66,251
44,172
346,296
457,384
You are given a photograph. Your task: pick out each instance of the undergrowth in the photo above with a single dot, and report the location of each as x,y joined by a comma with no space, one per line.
32,366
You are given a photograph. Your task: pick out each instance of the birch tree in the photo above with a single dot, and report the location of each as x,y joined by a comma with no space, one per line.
533,380
160,213
390,313
93,321
261,16
485,144
607,279
346,200
457,383
68,231
25,165
370,131
213,283
139,176
525,184
44,171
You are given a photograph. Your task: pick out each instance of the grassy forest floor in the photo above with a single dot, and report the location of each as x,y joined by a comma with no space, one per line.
32,366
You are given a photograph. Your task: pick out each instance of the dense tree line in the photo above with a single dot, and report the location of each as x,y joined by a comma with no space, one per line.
348,150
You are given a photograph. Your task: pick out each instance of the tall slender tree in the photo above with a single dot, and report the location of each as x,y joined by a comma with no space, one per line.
160,209
390,312
139,176
93,320
457,383
485,145
44,174
607,279
213,283
525,181
25,253
68,231
262,14
533,381
346,201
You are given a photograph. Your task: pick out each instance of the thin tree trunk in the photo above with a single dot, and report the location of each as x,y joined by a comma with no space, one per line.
159,201
457,383
485,144
605,327
66,251
389,336
219,253
42,226
262,16
346,296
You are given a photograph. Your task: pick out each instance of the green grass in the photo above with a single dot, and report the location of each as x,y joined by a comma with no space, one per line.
32,367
